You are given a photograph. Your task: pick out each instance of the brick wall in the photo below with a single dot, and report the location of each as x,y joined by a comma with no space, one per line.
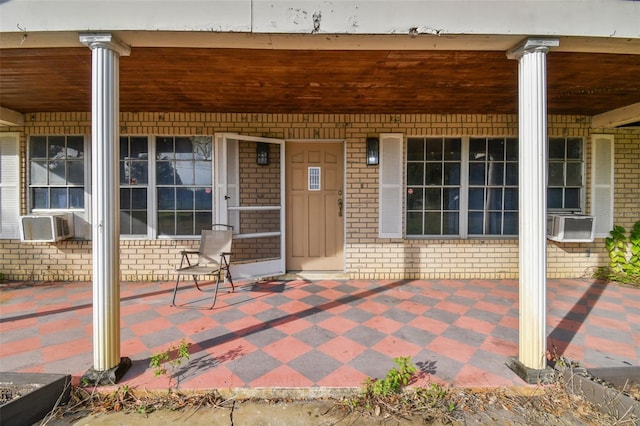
366,256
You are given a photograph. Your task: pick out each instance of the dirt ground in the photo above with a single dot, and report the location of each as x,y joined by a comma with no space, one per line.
528,405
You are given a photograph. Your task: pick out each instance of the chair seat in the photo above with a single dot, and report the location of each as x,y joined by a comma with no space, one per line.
206,269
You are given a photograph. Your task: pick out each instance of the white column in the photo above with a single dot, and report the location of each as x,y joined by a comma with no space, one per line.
532,95
105,204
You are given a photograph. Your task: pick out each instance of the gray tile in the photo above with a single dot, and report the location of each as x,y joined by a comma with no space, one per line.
263,336
464,335
372,363
315,336
252,366
315,365
364,335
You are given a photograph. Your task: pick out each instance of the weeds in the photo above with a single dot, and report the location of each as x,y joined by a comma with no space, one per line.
173,357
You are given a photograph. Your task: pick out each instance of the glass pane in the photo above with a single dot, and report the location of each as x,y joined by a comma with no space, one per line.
75,147
40,198
164,148
433,200
496,149
166,223
554,198
57,147
76,172
415,149
202,148
38,175
511,177
125,223
185,172
476,198
494,200
476,173
475,223
125,198
574,174
164,173
510,225
451,223
184,149
434,149
166,199
124,172
202,220
556,174
58,198
494,226
415,174
432,223
139,222
452,149
452,173
574,148
511,199
185,223
512,149
139,148
38,147
433,174
451,198
414,223
477,149
572,198
184,199
57,172
76,198
496,174
556,148
203,173
204,199
415,198
124,147
138,172
139,198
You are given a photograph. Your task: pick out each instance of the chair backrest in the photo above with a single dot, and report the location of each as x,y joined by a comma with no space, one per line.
213,242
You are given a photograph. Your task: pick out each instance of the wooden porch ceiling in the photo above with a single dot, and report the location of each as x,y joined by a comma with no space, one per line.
315,81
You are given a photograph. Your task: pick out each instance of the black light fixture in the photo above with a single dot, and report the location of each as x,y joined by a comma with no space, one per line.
262,153
373,151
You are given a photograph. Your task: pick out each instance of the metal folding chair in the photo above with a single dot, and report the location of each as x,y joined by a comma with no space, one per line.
212,258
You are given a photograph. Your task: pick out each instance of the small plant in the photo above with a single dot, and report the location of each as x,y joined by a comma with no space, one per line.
624,256
395,379
173,357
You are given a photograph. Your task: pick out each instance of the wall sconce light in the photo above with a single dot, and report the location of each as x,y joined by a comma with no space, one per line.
262,153
373,151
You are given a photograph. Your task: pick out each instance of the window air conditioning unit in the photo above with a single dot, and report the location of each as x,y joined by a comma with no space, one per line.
46,227
570,228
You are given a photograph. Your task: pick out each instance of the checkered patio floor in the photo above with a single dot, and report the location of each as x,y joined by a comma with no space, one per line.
324,333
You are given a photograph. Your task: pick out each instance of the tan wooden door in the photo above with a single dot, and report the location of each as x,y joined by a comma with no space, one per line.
315,206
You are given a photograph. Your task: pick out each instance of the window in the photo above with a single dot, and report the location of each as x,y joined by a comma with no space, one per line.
134,185
462,186
493,186
56,172
433,186
183,184
565,179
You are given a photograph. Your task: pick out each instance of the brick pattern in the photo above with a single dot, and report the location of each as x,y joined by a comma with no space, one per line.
366,256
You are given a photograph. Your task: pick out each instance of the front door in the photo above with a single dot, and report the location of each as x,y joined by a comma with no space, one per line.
315,206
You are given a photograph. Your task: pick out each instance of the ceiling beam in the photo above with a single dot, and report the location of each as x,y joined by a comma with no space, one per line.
9,117
617,117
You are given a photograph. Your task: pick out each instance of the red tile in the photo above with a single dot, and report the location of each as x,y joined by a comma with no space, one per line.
459,351
455,308
625,350
197,325
338,325
342,349
395,347
469,294
382,324
473,376
254,307
492,307
430,325
503,347
294,307
20,346
214,378
413,307
287,349
342,377
151,326
474,324
283,376
373,307
231,350
292,324
510,322
63,324
66,350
